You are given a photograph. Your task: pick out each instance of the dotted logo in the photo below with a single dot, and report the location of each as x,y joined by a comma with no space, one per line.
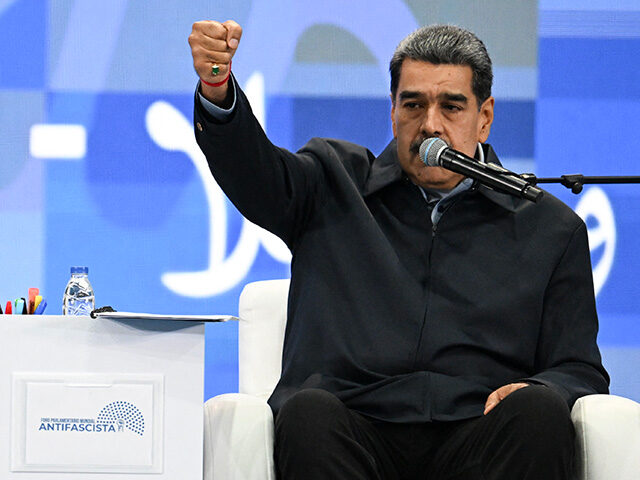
123,415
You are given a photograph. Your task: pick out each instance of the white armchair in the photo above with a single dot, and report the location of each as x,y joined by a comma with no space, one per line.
238,430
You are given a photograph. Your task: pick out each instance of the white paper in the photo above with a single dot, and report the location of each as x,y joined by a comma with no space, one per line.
155,316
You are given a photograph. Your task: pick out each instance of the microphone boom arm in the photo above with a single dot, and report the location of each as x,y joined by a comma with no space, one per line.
575,182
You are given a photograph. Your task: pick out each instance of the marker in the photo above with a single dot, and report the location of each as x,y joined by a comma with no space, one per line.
36,303
19,304
24,306
7,309
32,299
0,309
41,307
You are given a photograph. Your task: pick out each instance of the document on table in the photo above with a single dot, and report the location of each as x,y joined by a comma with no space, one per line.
154,316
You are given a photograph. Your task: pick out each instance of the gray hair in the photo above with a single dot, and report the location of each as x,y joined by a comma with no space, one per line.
445,44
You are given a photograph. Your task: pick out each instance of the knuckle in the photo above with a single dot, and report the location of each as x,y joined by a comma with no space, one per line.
233,26
209,27
200,26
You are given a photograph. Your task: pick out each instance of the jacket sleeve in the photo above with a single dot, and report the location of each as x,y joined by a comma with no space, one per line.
270,186
568,359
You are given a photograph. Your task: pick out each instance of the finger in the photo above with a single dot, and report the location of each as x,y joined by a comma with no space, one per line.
217,71
211,29
219,58
500,394
210,70
492,401
489,406
212,44
234,34
201,55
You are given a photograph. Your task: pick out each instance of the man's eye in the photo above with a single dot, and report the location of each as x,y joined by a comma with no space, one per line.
452,108
411,105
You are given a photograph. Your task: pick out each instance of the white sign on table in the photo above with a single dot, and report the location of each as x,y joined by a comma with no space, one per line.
90,423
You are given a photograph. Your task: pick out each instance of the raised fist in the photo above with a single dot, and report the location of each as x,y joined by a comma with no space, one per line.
213,45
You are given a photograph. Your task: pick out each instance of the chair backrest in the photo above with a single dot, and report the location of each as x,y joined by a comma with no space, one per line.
263,316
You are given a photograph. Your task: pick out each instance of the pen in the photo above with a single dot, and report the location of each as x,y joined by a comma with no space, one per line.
41,307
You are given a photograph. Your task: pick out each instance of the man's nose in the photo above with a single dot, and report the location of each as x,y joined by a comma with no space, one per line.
432,125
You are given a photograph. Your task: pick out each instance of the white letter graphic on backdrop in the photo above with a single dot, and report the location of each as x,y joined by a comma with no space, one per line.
170,130
594,202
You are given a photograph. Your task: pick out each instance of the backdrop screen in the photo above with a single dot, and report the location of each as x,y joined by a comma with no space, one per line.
99,165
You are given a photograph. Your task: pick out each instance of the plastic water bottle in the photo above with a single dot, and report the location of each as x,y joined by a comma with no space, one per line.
78,297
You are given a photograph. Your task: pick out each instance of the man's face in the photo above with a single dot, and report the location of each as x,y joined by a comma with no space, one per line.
437,101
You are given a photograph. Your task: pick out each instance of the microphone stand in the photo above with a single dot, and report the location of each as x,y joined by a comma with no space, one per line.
576,181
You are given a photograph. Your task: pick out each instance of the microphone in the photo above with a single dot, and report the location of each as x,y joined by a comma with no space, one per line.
436,153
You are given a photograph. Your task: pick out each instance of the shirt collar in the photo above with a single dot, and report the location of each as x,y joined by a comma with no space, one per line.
386,170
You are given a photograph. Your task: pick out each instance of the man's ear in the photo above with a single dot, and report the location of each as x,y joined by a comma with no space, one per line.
393,115
485,119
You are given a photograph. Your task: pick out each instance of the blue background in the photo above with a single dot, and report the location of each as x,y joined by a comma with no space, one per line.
567,94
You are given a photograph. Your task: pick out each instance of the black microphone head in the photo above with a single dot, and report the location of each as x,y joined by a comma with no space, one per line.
431,149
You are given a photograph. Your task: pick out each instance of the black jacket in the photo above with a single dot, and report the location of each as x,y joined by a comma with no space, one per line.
405,322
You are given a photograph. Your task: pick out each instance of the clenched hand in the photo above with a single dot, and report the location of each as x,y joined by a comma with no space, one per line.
213,44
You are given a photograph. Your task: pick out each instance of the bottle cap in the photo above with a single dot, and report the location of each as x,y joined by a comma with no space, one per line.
80,270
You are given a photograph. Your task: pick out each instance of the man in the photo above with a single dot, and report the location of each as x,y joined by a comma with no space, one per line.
436,329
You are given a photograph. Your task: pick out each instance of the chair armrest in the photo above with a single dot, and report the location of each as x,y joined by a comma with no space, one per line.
238,438
607,437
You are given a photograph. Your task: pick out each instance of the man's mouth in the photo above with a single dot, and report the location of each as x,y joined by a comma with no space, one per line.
415,146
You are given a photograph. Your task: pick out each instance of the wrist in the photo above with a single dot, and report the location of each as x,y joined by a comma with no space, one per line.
219,84
222,97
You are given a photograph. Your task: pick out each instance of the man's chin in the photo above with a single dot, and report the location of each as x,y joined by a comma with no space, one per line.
438,178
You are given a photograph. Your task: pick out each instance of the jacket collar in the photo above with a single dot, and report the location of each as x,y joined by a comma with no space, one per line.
386,170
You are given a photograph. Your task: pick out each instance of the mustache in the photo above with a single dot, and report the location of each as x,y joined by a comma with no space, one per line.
415,145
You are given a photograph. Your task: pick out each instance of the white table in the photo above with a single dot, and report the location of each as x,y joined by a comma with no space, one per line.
57,346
